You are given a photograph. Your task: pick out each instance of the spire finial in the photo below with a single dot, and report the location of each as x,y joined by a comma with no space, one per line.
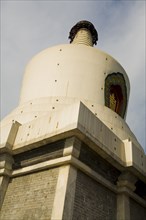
86,25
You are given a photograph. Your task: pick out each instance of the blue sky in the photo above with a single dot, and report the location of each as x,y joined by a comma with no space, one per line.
27,27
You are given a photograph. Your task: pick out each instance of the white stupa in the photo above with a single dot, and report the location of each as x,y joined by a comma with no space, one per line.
63,74
66,150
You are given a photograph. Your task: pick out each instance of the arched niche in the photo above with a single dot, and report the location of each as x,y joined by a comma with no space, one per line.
116,93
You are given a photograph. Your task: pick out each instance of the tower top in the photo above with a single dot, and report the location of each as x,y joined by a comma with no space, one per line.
84,25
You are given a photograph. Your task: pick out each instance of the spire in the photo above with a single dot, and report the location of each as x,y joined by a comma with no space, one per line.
83,32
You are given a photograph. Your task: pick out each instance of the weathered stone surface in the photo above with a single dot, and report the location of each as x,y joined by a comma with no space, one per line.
46,152
30,197
92,200
97,163
137,211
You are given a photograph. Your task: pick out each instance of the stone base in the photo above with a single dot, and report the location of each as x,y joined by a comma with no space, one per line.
68,180
79,171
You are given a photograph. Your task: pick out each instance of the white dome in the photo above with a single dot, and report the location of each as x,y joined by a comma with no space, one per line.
73,70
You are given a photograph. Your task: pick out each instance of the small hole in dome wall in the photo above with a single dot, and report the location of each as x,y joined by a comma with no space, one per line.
60,49
104,73
115,116
57,100
29,126
115,148
31,103
21,111
35,116
122,127
111,128
101,88
57,64
115,139
96,114
12,120
92,105
106,58
53,107
55,80
27,134
57,124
